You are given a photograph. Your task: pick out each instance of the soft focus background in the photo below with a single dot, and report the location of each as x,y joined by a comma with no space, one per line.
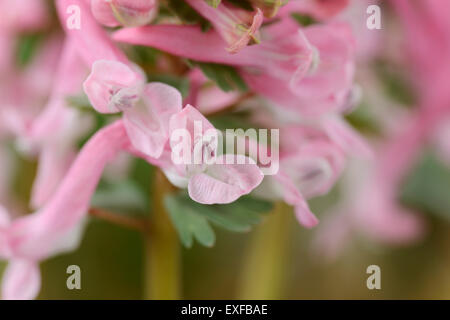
111,258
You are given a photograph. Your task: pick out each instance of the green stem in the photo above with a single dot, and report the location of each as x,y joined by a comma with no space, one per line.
264,270
162,258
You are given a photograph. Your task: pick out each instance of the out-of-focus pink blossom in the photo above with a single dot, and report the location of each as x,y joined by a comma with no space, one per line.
91,41
368,42
23,15
326,87
236,26
319,9
310,164
130,13
285,57
442,140
56,227
57,128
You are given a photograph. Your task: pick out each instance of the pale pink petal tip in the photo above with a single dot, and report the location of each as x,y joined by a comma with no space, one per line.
21,280
244,40
225,183
305,217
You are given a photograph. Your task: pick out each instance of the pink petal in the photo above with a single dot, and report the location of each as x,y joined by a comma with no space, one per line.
304,215
225,183
37,235
21,280
319,9
293,197
346,137
53,165
185,41
51,119
186,120
5,221
104,85
91,40
147,123
4,217
285,56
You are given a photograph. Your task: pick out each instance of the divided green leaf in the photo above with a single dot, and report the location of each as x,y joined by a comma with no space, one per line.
192,220
428,187
226,77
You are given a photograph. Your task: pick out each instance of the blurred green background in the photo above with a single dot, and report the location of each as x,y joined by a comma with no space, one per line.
112,263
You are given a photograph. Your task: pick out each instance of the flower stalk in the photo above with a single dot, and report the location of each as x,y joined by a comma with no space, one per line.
162,249
263,275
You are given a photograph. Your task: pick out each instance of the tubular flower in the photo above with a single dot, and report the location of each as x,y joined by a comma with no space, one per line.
309,70
282,59
26,240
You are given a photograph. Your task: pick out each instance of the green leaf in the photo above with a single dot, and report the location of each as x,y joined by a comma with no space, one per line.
395,83
143,56
226,77
363,120
233,120
188,224
186,13
122,197
243,4
80,101
428,187
303,19
26,48
191,219
213,3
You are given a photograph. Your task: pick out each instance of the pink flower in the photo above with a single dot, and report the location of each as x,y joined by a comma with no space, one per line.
113,87
319,9
23,15
326,86
56,227
309,70
310,164
284,56
91,40
58,127
130,13
236,26
222,180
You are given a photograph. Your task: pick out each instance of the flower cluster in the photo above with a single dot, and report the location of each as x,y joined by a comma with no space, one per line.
257,57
